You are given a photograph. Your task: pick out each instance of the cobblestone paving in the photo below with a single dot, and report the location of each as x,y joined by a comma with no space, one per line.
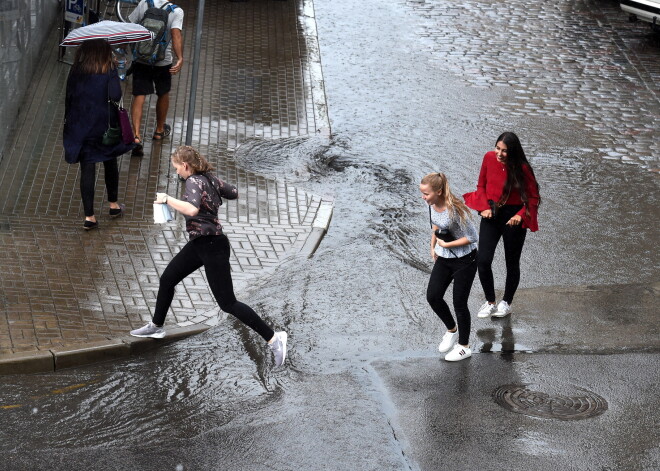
575,59
259,79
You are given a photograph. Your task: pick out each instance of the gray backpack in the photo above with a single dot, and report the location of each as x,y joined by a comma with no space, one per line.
155,20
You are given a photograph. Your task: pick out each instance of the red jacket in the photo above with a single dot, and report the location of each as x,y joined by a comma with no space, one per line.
491,184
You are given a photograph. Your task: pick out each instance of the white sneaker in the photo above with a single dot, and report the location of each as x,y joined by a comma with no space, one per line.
458,353
486,309
150,330
448,341
279,347
503,309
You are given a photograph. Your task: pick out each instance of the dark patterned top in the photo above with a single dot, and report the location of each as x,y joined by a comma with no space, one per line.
204,191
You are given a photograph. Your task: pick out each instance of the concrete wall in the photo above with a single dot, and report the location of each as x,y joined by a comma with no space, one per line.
24,25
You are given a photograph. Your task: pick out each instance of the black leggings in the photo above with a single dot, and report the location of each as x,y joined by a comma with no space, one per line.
88,180
462,271
211,252
490,232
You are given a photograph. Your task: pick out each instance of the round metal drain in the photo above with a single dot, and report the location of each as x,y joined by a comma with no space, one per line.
526,399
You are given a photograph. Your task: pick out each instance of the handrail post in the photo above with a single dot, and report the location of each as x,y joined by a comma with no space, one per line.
195,70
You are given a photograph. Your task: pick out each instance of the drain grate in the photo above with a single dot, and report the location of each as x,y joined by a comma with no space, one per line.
526,399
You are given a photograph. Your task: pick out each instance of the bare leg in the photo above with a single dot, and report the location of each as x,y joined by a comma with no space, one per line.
162,105
136,114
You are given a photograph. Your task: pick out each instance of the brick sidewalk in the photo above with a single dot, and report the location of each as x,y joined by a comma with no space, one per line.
62,288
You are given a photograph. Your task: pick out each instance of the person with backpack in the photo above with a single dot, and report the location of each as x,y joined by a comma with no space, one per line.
153,64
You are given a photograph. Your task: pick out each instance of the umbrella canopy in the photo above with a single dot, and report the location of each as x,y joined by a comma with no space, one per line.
114,32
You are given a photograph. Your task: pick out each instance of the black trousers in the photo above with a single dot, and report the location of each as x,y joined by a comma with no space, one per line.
462,271
211,252
88,179
490,232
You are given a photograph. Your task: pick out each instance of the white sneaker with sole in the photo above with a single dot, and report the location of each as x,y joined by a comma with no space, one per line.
503,309
150,330
486,309
278,346
448,341
458,353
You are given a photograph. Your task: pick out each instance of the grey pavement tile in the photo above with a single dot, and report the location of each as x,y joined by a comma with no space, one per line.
61,285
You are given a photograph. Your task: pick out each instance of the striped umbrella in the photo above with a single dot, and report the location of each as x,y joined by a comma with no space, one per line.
114,32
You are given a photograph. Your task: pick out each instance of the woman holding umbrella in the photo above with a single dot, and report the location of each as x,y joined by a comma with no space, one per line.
92,83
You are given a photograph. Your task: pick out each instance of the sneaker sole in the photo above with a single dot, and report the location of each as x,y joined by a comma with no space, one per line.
150,336
284,342
498,314
483,316
459,359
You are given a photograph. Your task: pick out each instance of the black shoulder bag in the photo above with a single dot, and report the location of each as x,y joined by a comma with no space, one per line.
111,136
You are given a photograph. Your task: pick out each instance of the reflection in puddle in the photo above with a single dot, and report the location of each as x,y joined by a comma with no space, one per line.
185,389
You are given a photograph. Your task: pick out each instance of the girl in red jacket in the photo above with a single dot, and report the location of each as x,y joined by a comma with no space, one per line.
507,198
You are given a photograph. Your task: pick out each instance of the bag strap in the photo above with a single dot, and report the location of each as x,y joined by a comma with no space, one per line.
109,101
118,105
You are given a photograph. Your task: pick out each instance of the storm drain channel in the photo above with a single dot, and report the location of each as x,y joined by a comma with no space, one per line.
526,399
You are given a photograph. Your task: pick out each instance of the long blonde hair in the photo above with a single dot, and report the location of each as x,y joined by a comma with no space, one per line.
195,160
439,184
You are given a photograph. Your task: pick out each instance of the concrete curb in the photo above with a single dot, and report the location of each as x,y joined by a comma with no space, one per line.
319,229
315,70
89,352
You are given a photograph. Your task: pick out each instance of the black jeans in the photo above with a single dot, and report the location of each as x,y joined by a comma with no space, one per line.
490,232
211,252
88,179
462,271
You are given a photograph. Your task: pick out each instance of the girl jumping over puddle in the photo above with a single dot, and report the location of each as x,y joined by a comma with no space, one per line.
208,247
454,249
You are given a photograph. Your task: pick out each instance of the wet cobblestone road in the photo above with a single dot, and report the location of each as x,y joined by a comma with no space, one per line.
577,60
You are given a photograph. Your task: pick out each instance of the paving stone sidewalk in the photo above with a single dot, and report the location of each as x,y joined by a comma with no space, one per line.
67,296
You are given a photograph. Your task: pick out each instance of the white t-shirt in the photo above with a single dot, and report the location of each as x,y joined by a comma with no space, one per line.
174,21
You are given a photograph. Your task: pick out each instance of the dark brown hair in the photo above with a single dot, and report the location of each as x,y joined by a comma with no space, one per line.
93,57
515,160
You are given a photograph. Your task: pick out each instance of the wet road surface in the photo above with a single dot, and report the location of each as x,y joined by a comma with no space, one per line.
415,87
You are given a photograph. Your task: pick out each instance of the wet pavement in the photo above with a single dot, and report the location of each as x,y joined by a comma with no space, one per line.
64,290
568,381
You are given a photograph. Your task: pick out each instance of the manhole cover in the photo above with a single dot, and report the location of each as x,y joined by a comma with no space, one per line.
527,399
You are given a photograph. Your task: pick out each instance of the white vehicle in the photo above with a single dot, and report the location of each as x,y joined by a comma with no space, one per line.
645,10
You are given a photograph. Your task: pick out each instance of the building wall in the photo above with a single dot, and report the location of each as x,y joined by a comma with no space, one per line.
24,26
